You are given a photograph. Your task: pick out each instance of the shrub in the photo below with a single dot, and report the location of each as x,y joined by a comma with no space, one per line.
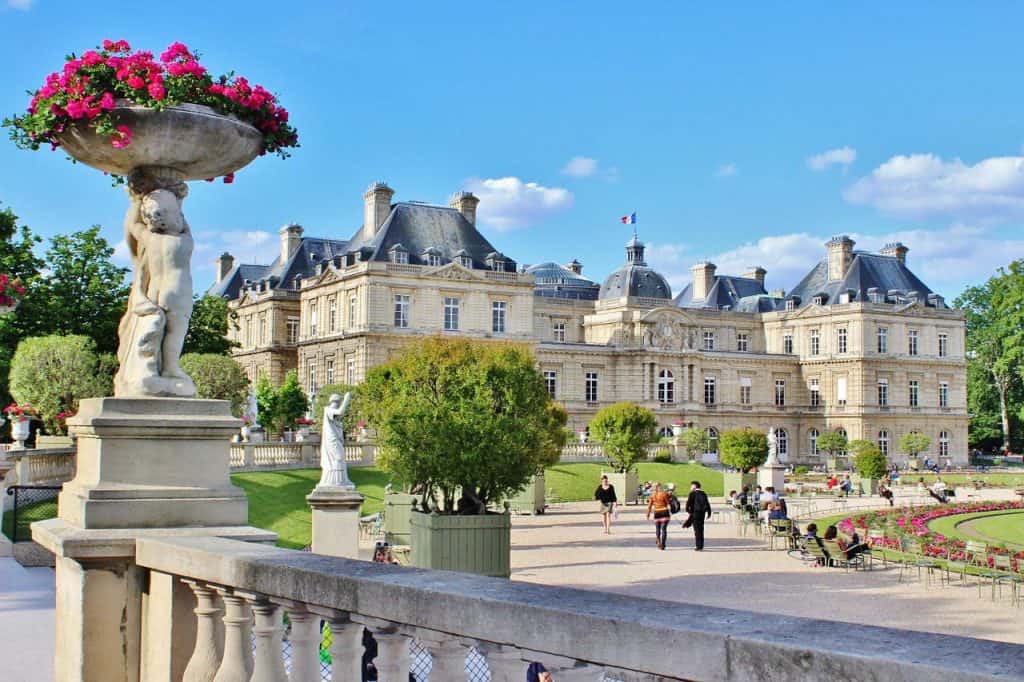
218,377
832,442
663,456
870,462
913,442
743,449
801,470
695,441
625,430
280,408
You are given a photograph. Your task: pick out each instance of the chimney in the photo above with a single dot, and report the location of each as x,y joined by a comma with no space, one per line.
291,237
224,263
465,203
840,253
758,273
703,279
575,267
896,250
376,206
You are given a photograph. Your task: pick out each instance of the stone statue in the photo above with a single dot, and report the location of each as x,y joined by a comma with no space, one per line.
252,410
332,445
153,328
773,457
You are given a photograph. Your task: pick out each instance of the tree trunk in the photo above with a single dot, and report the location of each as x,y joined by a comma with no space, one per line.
1001,387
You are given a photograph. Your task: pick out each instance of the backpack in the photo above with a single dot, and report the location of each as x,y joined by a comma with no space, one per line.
673,504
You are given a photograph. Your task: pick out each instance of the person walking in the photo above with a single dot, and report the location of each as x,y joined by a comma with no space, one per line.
605,494
699,508
660,505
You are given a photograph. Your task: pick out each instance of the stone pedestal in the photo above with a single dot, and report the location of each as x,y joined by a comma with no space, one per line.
772,474
336,521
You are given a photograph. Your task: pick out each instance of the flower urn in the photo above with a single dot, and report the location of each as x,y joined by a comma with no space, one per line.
677,430
20,429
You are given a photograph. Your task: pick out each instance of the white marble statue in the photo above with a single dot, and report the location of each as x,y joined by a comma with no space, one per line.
252,410
773,455
332,445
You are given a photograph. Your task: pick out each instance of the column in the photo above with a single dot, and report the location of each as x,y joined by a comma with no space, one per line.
346,647
448,654
336,521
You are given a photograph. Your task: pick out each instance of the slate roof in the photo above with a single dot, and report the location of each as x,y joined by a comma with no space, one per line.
557,281
302,263
635,278
744,294
892,281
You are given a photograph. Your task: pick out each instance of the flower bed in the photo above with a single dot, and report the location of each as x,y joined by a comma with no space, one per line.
913,522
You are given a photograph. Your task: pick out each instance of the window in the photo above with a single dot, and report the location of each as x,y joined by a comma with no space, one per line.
498,311
742,342
841,340
666,387
293,330
815,342
400,257
787,343
312,319
433,260
498,266
815,388
350,370
818,300
812,441
842,432
943,394
332,315
329,367
883,339
590,390
263,329
883,442
780,392
249,340
311,366
709,339
558,331
914,392
943,443
712,433
465,261
943,345
551,382
745,383
402,311
883,392
451,313
665,432
781,442
352,312
790,304
840,391
709,390
912,342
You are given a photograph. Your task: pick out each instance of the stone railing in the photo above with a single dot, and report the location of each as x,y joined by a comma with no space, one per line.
216,606
270,456
591,452
38,466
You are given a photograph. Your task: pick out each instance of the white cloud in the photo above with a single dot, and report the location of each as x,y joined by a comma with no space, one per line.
247,246
121,255
843,156
23,5
508,203
671,260
923,185
726,170
580,167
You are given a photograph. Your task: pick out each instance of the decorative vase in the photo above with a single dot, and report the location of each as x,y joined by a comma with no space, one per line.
583,437
20,430
677,430
245,433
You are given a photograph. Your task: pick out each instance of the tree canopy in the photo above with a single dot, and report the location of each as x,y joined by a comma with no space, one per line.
695,441
218,377
914,442
833,442
743,449
624,430
869,461
208,327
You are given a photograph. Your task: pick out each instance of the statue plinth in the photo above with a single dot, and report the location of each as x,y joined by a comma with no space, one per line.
336,520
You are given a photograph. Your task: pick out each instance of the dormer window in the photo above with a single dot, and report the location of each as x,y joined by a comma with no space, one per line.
465,261
790,304
496,261
398,254
818,300
433,260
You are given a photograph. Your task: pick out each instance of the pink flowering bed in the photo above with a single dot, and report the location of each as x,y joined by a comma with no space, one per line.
89,87
913,522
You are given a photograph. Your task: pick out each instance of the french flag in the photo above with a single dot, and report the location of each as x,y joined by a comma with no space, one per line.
629,219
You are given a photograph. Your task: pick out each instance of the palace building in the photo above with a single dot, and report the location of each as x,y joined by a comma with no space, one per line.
859,344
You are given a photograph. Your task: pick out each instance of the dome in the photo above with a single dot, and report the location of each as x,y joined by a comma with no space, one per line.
557,281
635,278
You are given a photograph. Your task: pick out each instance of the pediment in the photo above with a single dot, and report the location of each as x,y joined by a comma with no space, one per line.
809,310
667,313
453,271
328,276
247,298
912,307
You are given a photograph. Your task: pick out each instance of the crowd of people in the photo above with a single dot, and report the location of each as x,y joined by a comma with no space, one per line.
662,504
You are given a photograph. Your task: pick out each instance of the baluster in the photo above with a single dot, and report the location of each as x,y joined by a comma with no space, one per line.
206,655
346,646
305,638
268,665
448,654
392,655
236,665
505,662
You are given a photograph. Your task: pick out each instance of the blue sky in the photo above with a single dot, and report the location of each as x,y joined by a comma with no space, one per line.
747,134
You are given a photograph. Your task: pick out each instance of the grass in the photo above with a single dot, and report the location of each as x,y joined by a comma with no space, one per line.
1009,480
576,482
38,511
1005,527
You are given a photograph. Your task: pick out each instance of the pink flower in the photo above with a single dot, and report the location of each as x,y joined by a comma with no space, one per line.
92,58
176,69
107,101
156,90
229,178
173,51
136,82
122,138
76,110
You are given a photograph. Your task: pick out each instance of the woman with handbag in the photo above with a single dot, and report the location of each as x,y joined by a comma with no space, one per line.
605,495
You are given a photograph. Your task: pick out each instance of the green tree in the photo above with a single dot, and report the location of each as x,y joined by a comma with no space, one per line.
855,447
869,461
743,449
555,436
17,261
52,373
833,442
913,443
208,327
291,403
453,414
624,430
218,377
266,401
695,441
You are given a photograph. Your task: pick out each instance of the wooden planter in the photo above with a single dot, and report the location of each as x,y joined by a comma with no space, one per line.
626,485
397,507
532,499
470,544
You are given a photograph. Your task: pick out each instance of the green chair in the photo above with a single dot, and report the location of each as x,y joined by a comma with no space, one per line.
915,559
976,554
876,541
1001,573
780,529
955,566
837,556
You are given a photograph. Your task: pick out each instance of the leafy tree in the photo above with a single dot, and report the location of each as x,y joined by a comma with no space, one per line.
625,430
454,414
17,261
52,373
743,449
556,435
266,400
833,442
208,327
913,443
291,403
695,441
218,377
869,460
855,447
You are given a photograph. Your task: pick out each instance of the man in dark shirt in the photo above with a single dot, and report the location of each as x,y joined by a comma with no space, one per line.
699,509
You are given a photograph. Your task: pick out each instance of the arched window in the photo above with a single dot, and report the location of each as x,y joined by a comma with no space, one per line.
781,442
666,387
883,442
943,443
712,433
665,432
842,431
812,441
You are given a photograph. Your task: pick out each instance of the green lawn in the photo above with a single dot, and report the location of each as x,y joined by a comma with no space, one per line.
1009,480
1006,525
576,482
39,511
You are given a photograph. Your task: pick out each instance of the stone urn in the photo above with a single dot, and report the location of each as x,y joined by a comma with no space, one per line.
245,433
20,430
677,430
583,437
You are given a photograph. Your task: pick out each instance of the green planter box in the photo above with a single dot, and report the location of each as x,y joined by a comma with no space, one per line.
397,507
625,485
470,544
531,500
732,480
868,486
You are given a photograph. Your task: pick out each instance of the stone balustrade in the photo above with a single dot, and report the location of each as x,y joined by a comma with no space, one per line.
40,466
269,456
234,594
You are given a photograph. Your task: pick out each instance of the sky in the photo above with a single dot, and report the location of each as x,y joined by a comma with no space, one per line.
744,133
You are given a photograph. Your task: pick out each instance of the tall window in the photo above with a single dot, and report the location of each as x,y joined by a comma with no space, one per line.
943,443
883,442
263,329
709,339
293,330
912,342
551,381
883,339
812,441
451,313
498,312
815,390
402,311
433,260
914,392
465,261
311,366
742,342
943,394
787,343
883,392
943,345
745,390
558,331
840,391
712,433
709,390
590,389
781,442
350,370
666,387
400,257
332,314
249,341
329,370
352,312
312,319
780,392
815,342
841,340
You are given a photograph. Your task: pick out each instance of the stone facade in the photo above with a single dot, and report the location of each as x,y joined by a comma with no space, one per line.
835,354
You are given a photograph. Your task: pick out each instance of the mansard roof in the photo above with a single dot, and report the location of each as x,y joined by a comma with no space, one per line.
557,281
728,292
302,263
868,273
